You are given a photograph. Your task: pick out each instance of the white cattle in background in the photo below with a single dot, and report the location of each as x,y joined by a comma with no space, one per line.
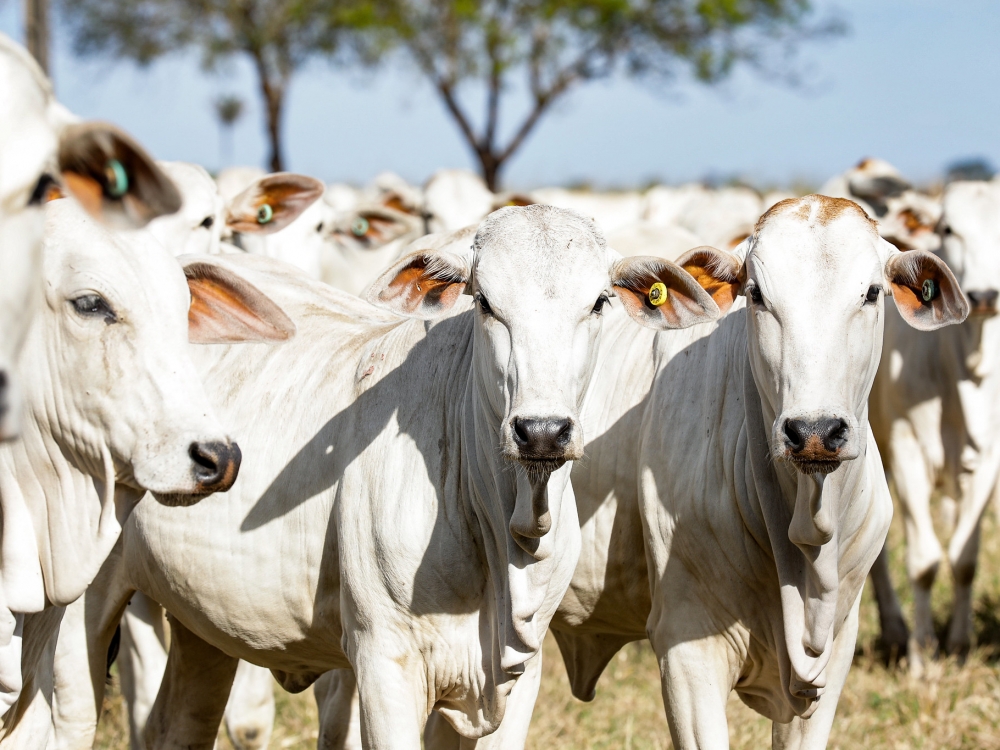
610,211
870,183
936,411
738,455
475,407
42,146
113,408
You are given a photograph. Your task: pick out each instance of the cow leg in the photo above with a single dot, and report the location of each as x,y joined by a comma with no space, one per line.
439,734
192,698
141,661
249,713
339,713
963,555
895,634
814,733
393,699
923,551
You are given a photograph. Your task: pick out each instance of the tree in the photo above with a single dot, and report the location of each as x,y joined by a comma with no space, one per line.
36,31
558,44
277,36
229,109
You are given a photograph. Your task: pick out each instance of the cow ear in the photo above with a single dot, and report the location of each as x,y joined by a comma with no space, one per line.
112,177
227,309
717,272
925,290
660,294
272,203
421,285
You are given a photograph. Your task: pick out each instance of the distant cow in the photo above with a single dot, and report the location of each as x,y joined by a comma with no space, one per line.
935,411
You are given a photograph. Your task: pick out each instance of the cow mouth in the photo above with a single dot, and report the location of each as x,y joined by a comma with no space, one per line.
540,467
179,499
813,466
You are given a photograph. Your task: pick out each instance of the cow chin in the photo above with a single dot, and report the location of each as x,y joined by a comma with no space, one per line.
178,500
540,469
814,467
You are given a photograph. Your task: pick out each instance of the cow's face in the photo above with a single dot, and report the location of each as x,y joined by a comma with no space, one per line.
110,371
970,228
816,277
541,278
197,226
364,241
40,149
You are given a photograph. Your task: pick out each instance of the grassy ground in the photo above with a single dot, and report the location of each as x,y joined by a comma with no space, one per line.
950,707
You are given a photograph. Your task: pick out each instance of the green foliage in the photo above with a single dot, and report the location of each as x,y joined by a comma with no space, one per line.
558,44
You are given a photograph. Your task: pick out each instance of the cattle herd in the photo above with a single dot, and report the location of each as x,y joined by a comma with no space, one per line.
380,441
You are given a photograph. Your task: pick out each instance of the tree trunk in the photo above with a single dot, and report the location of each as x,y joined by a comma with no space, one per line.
36,31
274,103
490,167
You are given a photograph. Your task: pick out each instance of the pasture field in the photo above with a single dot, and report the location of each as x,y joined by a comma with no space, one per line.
949,707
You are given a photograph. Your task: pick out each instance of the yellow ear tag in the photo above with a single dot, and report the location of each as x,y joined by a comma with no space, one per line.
658,294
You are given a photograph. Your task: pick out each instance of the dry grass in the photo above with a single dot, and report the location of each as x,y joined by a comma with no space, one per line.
951,707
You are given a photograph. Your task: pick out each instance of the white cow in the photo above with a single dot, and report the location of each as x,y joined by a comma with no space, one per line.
42,145
935,408
113,408
739,456
610,211
435,590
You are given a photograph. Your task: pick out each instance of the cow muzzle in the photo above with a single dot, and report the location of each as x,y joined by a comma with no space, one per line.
543,443
983,302
215,466
816,446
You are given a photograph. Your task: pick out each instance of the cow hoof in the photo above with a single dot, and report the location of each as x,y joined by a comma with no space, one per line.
895,638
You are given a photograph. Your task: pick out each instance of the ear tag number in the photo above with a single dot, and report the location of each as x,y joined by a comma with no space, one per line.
360,226
658,294
265,213
929,290
117,178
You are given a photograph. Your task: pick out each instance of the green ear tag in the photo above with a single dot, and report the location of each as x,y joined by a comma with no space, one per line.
658,294
117,178
265,213
360,226
929,290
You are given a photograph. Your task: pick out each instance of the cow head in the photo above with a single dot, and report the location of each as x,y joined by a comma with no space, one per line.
970,231
43,151
111,377
364,241
816,276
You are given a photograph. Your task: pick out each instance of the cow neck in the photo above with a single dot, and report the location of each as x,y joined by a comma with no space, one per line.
520,569
62,514
972,349
804,518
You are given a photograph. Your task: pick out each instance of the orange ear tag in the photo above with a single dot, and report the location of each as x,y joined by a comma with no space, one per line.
658,294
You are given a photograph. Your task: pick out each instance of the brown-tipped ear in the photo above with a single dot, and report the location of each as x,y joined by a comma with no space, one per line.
660,294
421,285
227,309
272,203
716,271
925,290
112,177
512,199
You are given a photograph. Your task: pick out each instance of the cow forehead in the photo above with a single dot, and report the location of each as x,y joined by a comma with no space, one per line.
972,205
540,249
131,265
809,245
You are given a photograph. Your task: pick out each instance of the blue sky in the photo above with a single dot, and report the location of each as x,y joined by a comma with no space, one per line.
913,81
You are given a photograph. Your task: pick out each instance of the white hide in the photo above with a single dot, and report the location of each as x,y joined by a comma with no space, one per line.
476,408
113,407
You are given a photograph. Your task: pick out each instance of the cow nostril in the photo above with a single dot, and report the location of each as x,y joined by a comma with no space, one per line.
563,430
983,298
216,464
795,433
833,433
521,432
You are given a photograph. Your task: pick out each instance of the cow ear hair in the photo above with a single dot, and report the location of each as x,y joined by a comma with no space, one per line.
717,272
112,177
227,309
660,294
423,284
272,203
925,291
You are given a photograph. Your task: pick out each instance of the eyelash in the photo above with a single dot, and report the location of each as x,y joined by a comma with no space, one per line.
599,305
484,306
753,292
94,305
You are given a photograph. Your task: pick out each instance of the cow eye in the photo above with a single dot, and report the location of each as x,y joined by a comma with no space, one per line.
43,188
753,291
319,227
948,231
872,297
207,222
484,306
599,305
94,306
